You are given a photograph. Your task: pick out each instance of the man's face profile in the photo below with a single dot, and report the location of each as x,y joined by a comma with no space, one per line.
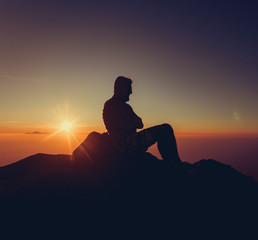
123,88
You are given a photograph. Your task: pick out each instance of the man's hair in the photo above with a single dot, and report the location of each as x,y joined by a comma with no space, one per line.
120,82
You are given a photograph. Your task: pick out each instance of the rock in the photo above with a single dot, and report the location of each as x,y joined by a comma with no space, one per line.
92,146
99,181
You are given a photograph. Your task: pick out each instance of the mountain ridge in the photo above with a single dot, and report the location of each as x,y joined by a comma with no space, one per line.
112,185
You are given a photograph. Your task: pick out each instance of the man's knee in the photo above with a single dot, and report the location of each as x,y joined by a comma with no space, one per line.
167,127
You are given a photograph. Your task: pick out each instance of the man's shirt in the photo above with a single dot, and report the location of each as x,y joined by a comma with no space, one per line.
120,119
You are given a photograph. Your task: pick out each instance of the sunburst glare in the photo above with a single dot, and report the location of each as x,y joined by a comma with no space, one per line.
66,125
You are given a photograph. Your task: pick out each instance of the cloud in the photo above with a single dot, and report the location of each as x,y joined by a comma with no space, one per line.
36,132
11,77
11,122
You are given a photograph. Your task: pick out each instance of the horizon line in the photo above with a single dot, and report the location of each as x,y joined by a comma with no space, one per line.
177,133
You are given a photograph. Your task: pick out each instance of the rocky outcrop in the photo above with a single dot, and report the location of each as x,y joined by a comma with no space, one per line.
96,179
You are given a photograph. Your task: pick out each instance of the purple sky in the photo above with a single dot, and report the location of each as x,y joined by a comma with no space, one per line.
194,63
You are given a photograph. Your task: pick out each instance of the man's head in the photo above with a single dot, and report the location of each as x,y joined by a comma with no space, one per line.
123,88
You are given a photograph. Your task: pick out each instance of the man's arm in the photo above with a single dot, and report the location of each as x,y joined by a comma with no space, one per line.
137,121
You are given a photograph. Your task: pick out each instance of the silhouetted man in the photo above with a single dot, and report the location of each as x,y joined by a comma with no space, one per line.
121,123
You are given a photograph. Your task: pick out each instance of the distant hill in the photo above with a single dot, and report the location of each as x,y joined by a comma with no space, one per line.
97,181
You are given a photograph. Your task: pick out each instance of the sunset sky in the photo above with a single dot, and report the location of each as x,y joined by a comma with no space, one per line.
194,64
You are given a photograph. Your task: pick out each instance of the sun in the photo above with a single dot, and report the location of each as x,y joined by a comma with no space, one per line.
66,126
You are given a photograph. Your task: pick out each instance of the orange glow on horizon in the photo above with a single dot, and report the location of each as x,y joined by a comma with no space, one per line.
68,127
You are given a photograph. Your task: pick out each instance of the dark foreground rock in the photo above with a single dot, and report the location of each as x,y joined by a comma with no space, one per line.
100,185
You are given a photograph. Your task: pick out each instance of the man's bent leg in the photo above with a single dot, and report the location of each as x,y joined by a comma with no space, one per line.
165,138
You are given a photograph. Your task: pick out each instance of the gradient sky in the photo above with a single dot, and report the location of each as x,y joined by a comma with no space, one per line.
194,63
